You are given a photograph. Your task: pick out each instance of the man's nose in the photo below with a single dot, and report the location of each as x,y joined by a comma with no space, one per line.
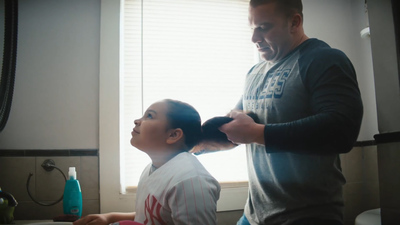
256,37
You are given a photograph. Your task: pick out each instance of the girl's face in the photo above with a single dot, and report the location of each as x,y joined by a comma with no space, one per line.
151,131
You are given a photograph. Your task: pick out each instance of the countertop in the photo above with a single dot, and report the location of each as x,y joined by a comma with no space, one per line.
39,222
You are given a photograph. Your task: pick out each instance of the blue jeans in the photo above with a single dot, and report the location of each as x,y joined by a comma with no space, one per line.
243,221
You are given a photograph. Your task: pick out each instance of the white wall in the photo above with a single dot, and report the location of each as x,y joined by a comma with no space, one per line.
1,29
339,23
55,104
385,66
56,97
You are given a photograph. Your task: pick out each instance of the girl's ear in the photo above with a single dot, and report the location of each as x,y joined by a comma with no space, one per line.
175,135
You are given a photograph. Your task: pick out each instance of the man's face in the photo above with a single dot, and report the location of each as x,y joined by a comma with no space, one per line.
271,32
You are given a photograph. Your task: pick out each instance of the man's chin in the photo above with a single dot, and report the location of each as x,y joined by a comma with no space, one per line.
266,56
269,58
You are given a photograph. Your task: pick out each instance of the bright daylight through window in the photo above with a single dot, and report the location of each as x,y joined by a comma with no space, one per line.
189,50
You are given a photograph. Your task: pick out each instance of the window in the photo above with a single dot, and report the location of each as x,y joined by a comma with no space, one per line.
189,50
194,51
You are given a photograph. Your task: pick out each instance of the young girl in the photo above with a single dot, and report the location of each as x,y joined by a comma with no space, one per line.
174,188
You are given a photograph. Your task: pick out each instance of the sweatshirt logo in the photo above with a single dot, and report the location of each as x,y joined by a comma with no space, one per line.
153,211
275,84
264,89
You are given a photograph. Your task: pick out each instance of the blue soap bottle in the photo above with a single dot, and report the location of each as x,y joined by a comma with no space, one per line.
72,200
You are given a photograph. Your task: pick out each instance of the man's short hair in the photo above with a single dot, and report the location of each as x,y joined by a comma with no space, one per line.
289,7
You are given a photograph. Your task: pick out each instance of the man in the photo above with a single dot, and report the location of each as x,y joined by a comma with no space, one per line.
307,99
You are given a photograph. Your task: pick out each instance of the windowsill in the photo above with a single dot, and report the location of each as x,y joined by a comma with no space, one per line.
224,185
239,184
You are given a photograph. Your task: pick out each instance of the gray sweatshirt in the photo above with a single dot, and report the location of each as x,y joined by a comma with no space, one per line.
312,108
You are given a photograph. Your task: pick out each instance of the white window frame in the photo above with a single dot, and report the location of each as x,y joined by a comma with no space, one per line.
111,198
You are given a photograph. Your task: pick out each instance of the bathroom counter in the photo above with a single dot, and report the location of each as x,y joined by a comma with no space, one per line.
39,222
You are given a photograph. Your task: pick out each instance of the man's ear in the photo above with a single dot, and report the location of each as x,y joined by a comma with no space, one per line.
296,22
174,135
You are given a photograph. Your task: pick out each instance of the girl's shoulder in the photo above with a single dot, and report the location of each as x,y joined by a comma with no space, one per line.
186,166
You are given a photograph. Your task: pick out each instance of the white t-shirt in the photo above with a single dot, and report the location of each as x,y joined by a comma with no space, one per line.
181,191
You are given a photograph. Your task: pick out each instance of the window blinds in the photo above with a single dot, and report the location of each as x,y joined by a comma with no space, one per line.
189,50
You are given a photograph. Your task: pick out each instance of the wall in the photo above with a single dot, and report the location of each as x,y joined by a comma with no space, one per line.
339,23
387,75
47,187
55,103
56,96
361,191
385,66
1,28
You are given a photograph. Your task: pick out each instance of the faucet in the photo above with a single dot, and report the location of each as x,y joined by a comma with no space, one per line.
7,205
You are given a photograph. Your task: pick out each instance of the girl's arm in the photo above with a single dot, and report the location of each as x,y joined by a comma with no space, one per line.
104,219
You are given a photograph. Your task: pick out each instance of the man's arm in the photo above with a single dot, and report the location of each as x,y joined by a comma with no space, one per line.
333,127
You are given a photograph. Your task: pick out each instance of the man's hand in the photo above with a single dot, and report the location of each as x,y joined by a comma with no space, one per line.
243,129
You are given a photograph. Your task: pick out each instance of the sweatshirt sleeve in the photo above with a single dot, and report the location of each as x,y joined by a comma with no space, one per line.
336,106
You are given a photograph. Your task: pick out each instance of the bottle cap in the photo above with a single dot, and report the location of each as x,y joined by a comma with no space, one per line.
72,173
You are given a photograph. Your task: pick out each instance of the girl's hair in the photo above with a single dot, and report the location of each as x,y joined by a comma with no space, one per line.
184,116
